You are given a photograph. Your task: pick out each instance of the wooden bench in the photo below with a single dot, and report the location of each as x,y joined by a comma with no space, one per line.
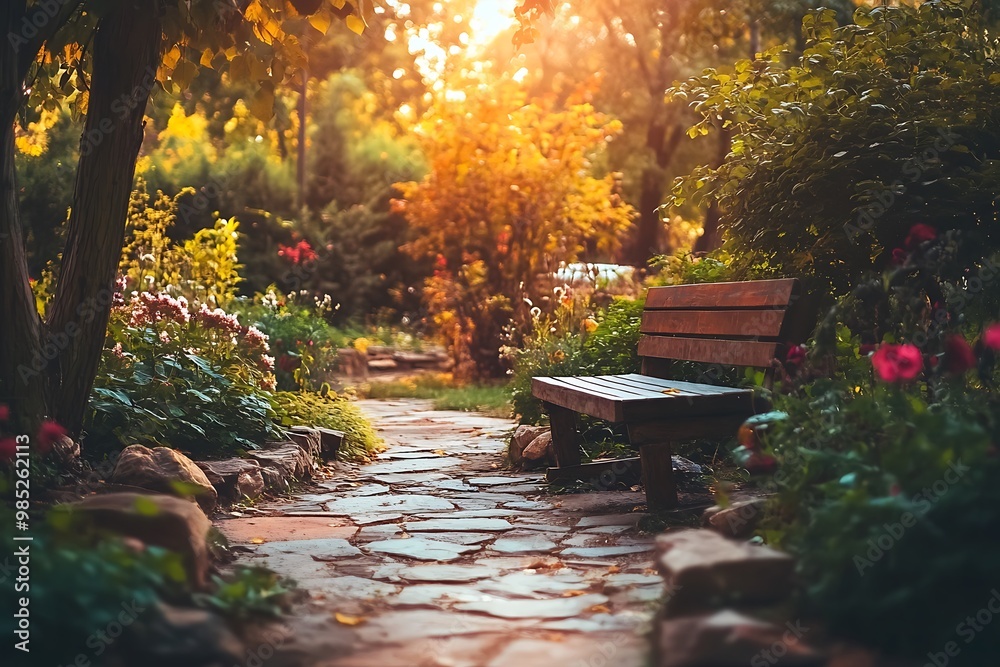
725,324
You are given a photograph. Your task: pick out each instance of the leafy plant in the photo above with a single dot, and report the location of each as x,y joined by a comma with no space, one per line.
193,382
886,121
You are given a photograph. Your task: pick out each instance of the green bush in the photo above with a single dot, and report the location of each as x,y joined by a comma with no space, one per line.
889,120
610,349
196,382
329,411
887,462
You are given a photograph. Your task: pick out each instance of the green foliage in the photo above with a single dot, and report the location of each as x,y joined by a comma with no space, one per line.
246,592
886,491
879,124
204,268
195,383
329,411
303,342
559,350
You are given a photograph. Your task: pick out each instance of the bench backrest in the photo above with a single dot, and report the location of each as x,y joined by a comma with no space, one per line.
733,324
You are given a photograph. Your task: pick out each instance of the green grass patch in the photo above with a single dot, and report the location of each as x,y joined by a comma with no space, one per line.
492,400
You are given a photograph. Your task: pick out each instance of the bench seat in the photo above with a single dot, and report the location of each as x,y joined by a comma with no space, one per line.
634,397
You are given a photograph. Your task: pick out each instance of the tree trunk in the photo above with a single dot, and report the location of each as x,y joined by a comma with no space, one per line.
647,239
126,57
20,388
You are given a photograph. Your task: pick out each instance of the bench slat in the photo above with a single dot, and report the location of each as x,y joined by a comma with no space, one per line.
551,390
691,387
752,294
725,352
724,323
617,388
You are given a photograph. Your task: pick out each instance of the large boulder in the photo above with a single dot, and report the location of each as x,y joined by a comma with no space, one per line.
164,521
523,436
729,639
234,479
164,470
703,568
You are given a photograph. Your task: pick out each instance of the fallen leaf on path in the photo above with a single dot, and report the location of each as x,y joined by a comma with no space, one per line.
440,452
600,609
614,568
257,540
346,619
573,594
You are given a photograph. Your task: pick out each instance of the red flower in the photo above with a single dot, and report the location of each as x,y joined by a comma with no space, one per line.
991,336
8,450
441,262
894,489
759,463
958,355
300,253
899,257
865,349
897,363
796,355
920,233
48,433
4,412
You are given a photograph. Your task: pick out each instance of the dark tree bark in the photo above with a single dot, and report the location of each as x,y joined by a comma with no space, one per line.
22,327
126,57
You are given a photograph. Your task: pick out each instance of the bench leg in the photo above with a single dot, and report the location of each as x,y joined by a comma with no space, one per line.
565,435
658,476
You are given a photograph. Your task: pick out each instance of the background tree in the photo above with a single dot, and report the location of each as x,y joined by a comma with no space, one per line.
508,197
104,59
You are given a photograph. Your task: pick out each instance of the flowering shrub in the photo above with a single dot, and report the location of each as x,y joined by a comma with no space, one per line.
886,465
304,344
188,377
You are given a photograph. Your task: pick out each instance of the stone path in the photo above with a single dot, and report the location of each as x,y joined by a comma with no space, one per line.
435,556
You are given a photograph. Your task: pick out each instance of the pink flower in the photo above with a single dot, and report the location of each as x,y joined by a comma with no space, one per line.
4,412
899,257
919,233
897,363
256,339
218,319
796,355
991,336
267,362
958,355
48,433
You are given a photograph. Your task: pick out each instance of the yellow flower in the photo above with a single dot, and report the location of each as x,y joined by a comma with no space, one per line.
361,345
590,325
558,355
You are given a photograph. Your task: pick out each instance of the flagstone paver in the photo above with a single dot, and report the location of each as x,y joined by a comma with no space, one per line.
437,555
